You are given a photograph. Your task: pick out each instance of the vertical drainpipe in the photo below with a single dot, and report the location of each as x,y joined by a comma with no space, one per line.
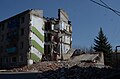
29,54
116,56
117,64
61,49
51,47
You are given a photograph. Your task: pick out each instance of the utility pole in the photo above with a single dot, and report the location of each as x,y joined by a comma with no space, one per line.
116,56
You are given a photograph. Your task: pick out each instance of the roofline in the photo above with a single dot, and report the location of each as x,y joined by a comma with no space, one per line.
16,15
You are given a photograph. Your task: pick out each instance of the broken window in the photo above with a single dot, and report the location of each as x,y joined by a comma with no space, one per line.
2,38
1,60
5,59
13,23
2,27
47,26
1,49
22,44
47,37
47,49
14,59
22,19
22,31
20,58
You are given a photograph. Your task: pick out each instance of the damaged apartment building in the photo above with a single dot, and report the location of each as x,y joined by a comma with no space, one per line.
30,37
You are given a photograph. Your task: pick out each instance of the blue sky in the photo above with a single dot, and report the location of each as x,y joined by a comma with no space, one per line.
86,17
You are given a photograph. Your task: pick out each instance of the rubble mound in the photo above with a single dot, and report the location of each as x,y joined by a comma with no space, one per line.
67,70
41,67
77,72
51,65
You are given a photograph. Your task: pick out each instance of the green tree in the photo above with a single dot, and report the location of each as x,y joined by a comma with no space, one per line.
102,45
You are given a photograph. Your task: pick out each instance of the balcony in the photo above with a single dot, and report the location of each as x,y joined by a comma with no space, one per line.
11,50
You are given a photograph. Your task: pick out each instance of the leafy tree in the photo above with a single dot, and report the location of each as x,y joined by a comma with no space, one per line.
102,45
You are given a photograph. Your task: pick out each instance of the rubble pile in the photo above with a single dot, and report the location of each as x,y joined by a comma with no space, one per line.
77,72
41,67
51,65
67,70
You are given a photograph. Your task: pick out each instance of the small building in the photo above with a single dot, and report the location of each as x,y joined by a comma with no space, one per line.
115,59
95,58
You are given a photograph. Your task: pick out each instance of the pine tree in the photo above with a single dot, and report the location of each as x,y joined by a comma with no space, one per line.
102,45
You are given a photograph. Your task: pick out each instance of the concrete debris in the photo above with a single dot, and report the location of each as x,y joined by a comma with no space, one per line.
52,65
67,70
77,72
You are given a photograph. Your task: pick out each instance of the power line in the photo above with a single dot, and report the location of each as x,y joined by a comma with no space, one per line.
103,4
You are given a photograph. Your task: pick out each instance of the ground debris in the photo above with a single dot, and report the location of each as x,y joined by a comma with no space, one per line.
67,70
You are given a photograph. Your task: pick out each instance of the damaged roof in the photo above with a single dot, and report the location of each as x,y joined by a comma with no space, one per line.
85,57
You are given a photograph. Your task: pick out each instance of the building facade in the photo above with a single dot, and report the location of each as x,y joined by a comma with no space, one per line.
58,36
31,36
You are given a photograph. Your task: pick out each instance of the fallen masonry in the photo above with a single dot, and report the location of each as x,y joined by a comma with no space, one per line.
53,65
67,70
